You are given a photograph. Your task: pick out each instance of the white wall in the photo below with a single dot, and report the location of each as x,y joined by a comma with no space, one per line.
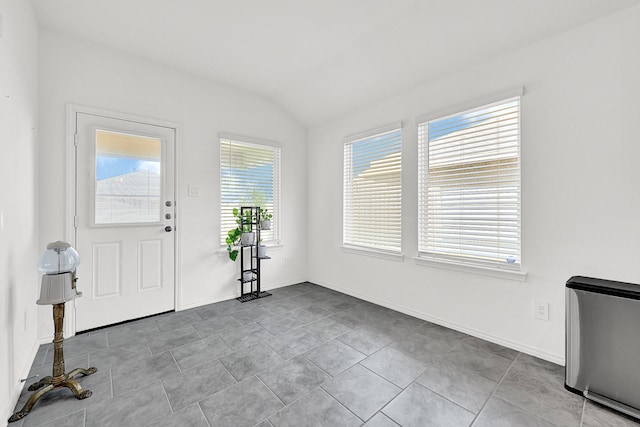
580,187
80,72
18,198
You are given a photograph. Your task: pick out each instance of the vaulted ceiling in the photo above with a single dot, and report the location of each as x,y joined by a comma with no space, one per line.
319,59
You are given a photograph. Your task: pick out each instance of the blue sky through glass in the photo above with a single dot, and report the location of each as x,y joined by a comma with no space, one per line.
110,166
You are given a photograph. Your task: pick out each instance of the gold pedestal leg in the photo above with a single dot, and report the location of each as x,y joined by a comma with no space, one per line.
82,371
59,378
43,382
32,401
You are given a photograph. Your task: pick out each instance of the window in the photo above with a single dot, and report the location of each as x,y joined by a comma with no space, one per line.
249,176
469,186
373,190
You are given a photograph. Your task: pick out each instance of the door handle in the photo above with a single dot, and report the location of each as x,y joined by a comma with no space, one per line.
168,228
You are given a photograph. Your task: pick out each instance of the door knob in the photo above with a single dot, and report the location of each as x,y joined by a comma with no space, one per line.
168,228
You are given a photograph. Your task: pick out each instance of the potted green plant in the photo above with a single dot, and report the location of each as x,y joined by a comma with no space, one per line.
265,219
239,235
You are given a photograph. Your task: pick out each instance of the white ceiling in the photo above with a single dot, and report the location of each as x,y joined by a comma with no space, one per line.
319,59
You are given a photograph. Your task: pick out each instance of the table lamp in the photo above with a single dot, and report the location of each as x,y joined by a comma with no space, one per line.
58,263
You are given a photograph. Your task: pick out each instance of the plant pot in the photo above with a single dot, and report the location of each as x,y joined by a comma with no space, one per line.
262,251
247,275
247,238
265,224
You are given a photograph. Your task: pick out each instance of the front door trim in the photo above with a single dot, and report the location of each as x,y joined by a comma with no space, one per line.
72,111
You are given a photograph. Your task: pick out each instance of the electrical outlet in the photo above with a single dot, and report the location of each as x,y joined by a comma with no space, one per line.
541,310
25,320
287,261
194,191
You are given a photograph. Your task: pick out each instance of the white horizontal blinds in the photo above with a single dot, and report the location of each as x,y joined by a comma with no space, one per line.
373,191
470,186
249,176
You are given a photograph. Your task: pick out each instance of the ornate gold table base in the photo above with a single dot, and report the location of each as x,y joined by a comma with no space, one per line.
59,379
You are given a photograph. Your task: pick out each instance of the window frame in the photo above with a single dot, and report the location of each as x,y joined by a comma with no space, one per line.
462,263
350,246
277,184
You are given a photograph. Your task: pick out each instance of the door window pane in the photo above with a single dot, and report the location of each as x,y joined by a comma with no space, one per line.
127,178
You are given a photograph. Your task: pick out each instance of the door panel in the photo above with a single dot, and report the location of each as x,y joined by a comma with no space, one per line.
124,191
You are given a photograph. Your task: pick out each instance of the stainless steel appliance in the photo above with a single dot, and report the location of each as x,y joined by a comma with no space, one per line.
603,342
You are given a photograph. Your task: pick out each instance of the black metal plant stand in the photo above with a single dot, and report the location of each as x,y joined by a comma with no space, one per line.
249,259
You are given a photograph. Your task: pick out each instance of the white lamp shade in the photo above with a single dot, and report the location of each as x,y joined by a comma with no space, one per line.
57,288
59,257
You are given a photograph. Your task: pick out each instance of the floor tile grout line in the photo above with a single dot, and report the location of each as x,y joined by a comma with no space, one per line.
206,420
340,403
495,389
584,407
166,395
311,361
284,405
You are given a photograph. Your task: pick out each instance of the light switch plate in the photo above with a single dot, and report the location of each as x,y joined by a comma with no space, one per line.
194,190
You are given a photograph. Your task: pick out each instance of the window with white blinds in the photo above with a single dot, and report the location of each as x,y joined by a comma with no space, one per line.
249,176
373,190
469,186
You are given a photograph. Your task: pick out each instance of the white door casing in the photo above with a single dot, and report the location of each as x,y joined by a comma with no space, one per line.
124,219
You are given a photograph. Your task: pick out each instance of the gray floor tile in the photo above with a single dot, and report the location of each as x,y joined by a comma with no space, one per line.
163,341
252,314
294,343
245,336
435,331
280,324
326,329
293,379
334,357
135,374
596,415
463,387
309,314
114,356
529,377
200,352
422,348
125,336
138,408
244,404
490,347
190,386
336,303
177,320
498,413
221,308
327,333
395,366
365,340
420,407
190,416
250,361
216,325
61,402
316,409
380,420
480,362
361,391
73,420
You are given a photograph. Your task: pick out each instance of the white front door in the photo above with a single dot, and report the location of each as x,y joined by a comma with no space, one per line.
125,209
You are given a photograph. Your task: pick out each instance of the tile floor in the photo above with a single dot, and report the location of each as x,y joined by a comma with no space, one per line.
305,356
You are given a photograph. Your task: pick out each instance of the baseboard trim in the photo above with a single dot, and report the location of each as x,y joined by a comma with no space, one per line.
17,388
551,357
235,295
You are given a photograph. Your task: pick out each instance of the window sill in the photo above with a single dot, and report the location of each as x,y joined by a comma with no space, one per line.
519,276
373,253
275,246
